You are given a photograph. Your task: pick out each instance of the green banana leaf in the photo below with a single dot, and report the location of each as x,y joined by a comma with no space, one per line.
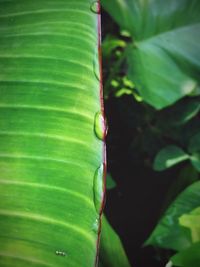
112,253
164,57
51,131
169,233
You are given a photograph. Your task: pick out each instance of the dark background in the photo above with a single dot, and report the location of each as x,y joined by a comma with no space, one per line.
135,205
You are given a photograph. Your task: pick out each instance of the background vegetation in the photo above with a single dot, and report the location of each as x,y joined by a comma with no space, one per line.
151,63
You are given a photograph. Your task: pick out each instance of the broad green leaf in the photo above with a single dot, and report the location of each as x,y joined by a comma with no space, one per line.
187,176
50,158
192,221
112,253
189,257
168,233
195,160
194,145
185,113
194,149
165,55
110,183
180,113
168,157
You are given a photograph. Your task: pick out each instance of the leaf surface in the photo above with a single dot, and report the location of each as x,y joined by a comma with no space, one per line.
168,157
110,182
189,257
192,221
164,58
49,153
194,149
169,233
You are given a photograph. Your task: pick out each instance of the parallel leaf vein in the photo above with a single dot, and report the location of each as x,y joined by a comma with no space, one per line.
49,187
27,259
45,136
57,83
49,35
86,29
42,11
44,219
39,158
30,57
46,108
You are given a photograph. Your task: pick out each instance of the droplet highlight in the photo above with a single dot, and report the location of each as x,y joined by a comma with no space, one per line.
96,67
60,253
95,7
99,126
95,226
98,189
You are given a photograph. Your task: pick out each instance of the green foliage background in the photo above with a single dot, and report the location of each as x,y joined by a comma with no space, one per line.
151,57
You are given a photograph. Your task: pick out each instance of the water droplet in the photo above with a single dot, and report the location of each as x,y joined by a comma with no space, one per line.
95,226
60,253
96,68
95,7
98,188
99,125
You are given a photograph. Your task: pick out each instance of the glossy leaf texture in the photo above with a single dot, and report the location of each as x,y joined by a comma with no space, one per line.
169,233
179,114
168,157
111,249
189,257
192,221
49,152
164,57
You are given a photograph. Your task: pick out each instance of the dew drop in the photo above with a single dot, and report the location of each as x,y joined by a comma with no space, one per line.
99,125
60,253
95,7
96,68
98,188
95,226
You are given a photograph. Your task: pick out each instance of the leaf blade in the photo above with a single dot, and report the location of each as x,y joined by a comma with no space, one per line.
164,56
168,157
168,233
49,152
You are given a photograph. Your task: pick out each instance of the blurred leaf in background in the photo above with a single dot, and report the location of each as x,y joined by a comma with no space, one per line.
169,233
188,258
168,157
110,183
194,149
164,55
151,78
192,221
